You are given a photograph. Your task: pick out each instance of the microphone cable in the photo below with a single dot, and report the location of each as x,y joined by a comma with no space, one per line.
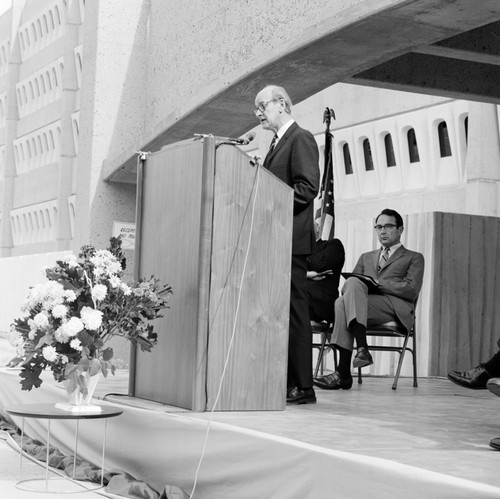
254,192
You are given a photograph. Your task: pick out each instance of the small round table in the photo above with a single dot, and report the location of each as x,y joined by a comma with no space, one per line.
49,412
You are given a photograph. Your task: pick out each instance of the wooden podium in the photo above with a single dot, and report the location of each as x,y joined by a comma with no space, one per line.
217,228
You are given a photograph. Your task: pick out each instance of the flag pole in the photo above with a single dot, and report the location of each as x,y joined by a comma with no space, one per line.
327,227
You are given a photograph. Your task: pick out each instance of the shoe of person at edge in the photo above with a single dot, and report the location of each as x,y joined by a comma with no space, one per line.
295,395
363,358
333,381
475,378
495,444
493,386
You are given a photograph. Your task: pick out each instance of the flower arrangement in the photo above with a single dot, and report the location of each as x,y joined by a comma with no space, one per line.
67,321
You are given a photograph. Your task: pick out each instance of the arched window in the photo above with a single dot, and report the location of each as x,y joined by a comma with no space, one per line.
55,77
367,151
389,151
444,140
347,159
33,29
412,146
21,38
466,129
52,25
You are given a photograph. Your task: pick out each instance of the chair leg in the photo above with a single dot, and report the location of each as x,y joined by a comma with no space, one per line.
414,355
400,363
360,378
321,355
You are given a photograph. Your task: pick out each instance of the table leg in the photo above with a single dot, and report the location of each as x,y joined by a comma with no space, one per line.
103,451
47,458
21,453
75,446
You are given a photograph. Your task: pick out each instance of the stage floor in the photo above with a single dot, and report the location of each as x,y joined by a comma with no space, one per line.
430,441
438,426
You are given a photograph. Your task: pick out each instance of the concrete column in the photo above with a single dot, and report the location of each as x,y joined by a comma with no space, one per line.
11,121
483,161
115,44
69,100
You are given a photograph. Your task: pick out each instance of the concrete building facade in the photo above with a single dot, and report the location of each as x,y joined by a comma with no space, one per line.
85,84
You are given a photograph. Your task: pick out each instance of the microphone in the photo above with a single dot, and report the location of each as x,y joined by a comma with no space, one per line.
245,139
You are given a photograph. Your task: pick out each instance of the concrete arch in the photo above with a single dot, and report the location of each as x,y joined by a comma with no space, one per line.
331,45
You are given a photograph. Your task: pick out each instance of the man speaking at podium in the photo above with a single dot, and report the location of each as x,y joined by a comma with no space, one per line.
294,158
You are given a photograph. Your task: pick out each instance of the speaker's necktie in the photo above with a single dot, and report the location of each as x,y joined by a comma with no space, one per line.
384,256
273,143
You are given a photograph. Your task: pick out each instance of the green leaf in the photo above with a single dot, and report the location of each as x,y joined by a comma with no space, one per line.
31,377
107,354
95,367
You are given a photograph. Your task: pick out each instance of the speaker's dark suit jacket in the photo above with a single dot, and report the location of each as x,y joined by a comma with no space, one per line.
295,160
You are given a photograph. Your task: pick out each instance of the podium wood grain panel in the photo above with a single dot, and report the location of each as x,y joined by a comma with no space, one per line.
170,250
257,233
195,226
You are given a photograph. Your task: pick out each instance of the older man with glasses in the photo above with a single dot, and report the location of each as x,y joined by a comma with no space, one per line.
398,274
294,158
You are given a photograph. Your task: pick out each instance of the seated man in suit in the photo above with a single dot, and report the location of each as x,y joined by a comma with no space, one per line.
398,272
323,276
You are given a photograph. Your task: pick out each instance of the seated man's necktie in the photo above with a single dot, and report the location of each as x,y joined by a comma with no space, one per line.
384,257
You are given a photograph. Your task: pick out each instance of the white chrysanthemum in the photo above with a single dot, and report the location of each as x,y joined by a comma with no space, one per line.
99,292
115,281
70,295
125,288
60,311
47,295
64,359
71,260
49,353
91,318
105,264
14,336
32,324
60,335
76,344
32,334
41,320
20,350
73,326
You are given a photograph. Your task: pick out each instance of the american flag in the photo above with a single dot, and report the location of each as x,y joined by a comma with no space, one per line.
327,227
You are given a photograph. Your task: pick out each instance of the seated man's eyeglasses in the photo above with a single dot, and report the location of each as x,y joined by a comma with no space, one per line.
261,108
379,228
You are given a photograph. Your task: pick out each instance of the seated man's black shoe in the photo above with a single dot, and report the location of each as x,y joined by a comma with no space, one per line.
475,378
333,381
493,386
363,358
295,395
495,443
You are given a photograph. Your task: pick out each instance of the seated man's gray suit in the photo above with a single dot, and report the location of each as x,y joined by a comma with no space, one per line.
400,282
